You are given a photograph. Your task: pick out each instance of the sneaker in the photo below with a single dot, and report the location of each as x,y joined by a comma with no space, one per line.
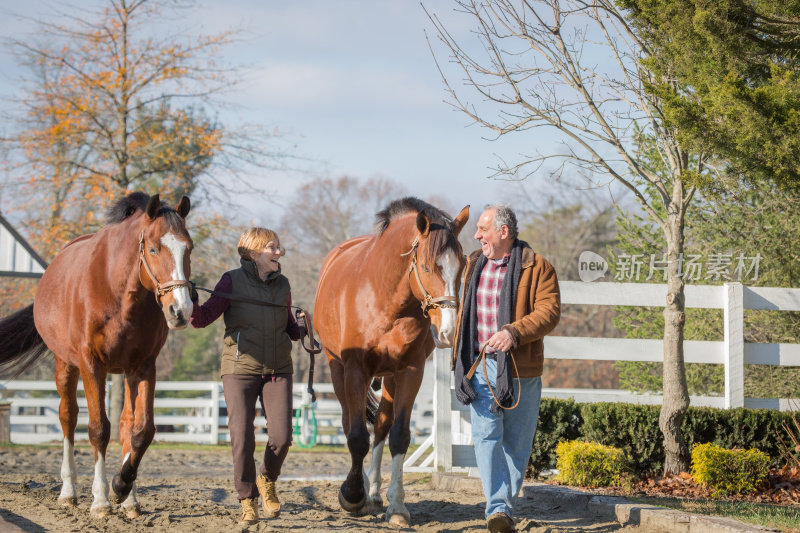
269,498
500,523
249,512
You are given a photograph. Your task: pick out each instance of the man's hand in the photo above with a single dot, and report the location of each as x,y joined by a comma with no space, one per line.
501,341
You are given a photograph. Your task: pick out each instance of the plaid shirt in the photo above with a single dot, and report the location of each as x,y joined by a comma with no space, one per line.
488,299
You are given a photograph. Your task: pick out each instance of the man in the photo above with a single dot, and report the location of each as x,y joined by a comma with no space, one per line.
510,301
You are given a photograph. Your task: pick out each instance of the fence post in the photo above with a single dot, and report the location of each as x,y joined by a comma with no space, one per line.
215,412
442,414
734,345
5,422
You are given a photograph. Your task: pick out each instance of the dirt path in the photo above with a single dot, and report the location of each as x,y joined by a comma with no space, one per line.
183,491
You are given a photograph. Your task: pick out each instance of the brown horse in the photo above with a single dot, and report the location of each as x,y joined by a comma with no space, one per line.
383,302
95,309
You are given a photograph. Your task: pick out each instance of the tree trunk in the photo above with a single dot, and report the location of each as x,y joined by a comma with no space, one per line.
676,393
115,409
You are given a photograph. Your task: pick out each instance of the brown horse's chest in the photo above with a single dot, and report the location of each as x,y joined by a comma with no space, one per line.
122,344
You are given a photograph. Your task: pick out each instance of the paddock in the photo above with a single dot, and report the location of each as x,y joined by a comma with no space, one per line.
189,489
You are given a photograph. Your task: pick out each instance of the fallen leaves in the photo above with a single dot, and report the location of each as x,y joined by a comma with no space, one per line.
782,487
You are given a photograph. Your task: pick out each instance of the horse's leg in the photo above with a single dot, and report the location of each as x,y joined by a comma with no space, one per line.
130,505
140,428
407,385
94,384
337,378
352,495
383,422
67,384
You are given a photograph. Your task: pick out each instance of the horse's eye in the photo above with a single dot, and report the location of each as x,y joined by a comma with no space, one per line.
425,268
153,251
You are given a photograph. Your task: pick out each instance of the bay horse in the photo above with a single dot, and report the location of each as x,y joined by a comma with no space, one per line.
96,311
383,302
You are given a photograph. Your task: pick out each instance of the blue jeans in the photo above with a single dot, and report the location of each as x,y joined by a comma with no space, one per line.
503,440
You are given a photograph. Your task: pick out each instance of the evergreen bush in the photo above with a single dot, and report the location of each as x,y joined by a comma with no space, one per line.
727,472
559,420
589,464
634,429
631,427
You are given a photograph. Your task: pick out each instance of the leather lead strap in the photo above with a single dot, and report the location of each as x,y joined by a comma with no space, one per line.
482,358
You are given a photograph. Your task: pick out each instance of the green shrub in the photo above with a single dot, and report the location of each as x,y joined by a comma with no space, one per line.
737,428
588,464
634,429
631,427
559,420
728,472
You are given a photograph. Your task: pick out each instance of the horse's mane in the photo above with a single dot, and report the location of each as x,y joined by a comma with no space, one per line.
441,234
137,201
410,204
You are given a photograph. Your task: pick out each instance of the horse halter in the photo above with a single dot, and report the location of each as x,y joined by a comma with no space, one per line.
161,289
429,302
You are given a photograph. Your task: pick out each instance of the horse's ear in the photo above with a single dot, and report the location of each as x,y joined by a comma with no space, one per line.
153,206
461,220
183,207
423,224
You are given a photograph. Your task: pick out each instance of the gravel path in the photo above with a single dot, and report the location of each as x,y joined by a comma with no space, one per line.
183,490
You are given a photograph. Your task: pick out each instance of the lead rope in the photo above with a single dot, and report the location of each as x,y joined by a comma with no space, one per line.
313,348
482,358
312,352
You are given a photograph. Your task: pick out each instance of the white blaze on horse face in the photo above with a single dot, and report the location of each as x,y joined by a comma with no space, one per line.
449,264
182,299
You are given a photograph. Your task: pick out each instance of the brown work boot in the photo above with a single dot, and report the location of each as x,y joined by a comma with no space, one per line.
269,498
500,523
249,512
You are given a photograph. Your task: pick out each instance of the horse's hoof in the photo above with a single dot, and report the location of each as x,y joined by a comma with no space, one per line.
68,501
351,507
132,511
100,511
375,505
399,520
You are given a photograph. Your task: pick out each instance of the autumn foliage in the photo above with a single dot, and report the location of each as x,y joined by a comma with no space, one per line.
97,119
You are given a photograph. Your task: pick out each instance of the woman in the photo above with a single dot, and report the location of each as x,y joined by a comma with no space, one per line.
256,364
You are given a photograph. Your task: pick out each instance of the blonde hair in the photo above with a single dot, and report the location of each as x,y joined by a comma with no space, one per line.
254,240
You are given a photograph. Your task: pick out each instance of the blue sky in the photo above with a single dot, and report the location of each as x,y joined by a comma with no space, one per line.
353,83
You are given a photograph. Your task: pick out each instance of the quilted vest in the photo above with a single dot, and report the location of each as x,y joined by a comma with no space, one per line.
256,341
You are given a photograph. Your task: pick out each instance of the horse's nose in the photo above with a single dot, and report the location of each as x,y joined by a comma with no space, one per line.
176,312
446,338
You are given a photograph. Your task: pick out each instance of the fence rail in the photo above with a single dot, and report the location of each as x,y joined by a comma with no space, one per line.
437,415
200,418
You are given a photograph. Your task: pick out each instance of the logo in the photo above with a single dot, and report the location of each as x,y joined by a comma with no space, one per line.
591,266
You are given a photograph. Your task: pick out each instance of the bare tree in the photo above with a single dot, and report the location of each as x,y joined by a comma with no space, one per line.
578,68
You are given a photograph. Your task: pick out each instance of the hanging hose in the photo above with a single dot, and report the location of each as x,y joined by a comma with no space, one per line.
305,422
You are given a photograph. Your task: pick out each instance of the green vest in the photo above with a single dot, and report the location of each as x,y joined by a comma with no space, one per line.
256,341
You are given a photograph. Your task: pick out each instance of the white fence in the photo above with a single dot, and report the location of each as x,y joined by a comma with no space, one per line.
190,411
450,446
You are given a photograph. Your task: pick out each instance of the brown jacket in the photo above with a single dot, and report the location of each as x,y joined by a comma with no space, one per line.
536,311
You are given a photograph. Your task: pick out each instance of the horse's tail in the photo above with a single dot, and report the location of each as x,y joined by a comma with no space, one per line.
373,401
20,343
